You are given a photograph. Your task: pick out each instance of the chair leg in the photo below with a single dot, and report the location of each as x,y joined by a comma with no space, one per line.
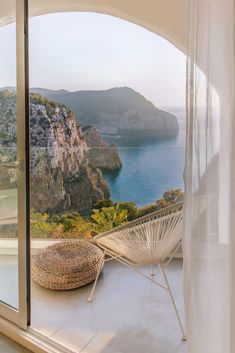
184,337
152,273
91,297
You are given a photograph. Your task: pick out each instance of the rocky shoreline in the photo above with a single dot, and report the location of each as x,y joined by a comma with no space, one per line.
100,154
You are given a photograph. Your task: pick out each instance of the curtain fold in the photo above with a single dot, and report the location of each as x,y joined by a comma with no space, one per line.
209,209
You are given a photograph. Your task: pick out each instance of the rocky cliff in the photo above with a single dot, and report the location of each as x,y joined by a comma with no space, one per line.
7,117
61,177
7,140
115,111
100,154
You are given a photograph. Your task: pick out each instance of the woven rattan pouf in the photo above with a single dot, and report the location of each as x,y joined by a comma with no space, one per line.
67,265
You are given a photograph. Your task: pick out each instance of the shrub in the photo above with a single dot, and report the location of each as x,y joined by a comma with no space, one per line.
45,230
109,217
74,222
38,216
131,209
60,226
170,197
146,210
103,203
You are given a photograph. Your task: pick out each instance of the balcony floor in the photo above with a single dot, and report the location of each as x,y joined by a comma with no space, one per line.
129,315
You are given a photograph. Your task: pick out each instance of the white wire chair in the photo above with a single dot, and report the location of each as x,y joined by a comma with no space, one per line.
150,240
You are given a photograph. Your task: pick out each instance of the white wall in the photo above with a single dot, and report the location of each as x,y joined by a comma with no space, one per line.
167,18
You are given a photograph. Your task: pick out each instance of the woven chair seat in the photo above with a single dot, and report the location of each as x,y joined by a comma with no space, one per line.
67,265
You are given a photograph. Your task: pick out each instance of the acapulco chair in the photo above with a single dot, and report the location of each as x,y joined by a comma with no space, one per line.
150,240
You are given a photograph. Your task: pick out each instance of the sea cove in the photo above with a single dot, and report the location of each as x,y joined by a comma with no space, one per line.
150,166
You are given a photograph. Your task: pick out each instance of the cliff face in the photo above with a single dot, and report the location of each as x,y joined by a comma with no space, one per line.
115,111
100,154
61,177
7,117
8,177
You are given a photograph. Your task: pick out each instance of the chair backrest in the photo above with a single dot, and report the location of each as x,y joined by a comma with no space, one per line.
151,216
147,240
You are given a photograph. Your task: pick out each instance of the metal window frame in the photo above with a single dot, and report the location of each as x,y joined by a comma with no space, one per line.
21,316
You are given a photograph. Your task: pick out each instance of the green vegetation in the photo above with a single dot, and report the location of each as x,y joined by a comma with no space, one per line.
109,217
169,198
43,227
36,98
61,226
130,207
7,94
104,216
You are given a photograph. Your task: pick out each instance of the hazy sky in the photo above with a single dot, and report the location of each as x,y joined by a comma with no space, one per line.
77,51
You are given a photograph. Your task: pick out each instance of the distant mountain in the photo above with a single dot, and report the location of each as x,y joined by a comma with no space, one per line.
116,111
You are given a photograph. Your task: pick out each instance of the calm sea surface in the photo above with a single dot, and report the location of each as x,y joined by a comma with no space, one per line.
149,166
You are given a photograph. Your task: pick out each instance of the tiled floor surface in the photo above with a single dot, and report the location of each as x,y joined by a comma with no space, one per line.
129,315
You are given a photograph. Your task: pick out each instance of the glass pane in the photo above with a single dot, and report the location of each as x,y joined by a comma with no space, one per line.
8,158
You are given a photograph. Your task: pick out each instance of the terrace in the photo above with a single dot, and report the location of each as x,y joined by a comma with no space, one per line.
129,313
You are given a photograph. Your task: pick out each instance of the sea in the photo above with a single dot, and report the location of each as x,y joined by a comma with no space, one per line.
150,166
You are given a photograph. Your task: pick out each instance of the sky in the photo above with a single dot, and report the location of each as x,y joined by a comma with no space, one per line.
87,51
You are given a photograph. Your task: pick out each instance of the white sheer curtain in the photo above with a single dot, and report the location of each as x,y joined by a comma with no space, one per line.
210,179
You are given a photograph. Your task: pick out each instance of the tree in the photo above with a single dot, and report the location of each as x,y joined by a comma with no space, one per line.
169,198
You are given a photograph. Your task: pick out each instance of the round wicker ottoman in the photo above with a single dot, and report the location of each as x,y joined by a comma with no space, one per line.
67,265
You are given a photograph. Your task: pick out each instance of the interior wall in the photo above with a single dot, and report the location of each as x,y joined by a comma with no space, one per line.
167,18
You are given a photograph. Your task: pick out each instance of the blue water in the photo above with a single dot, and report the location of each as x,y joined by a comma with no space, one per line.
149,166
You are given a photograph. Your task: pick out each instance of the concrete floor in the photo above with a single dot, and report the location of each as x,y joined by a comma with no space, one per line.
129,315
9,346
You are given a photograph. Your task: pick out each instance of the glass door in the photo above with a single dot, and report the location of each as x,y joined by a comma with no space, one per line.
14,283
